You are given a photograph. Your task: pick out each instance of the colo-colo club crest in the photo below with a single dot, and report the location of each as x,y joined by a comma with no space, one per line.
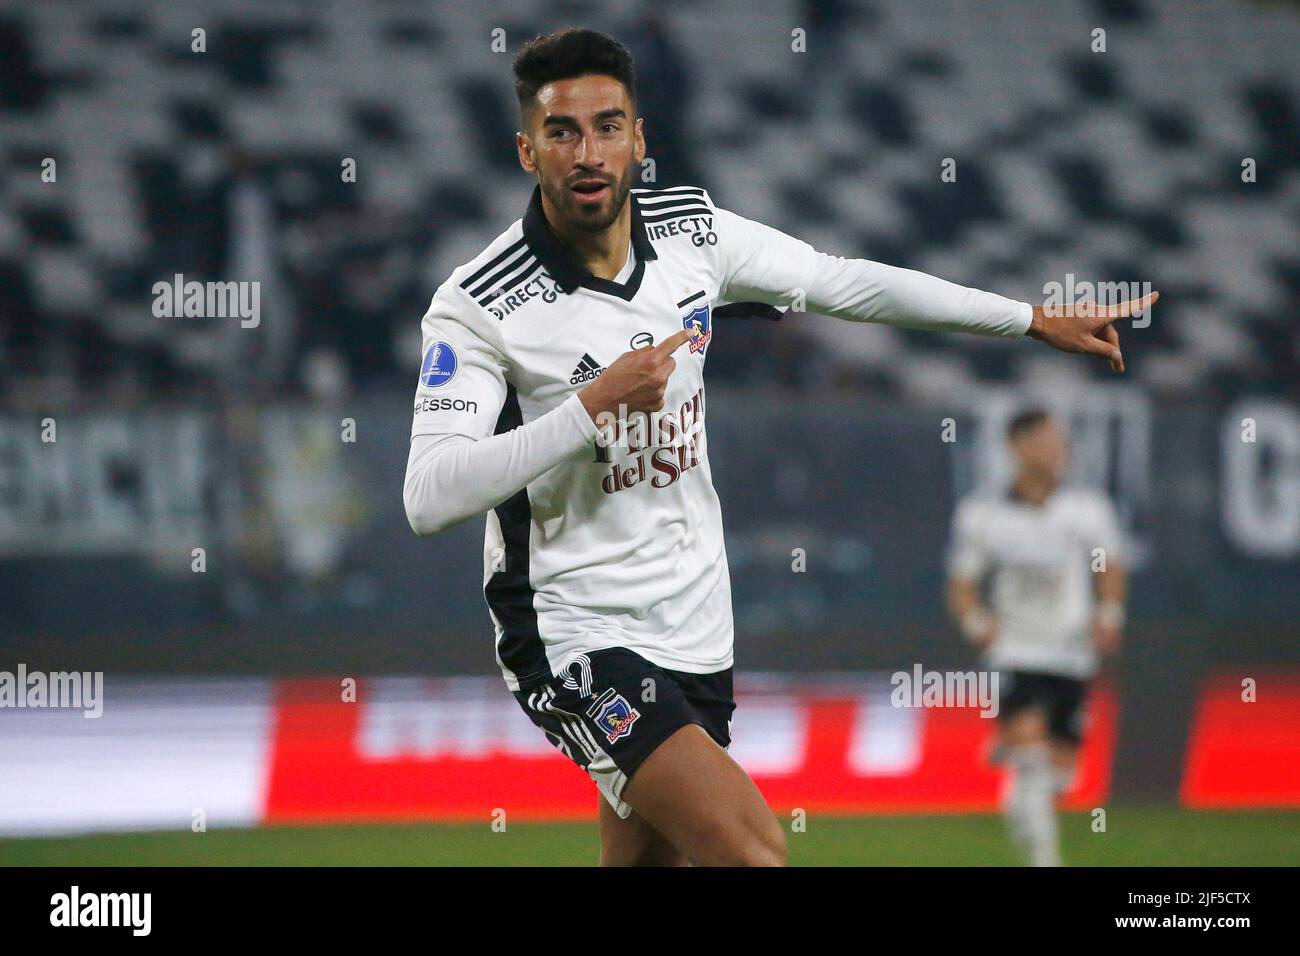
613,714
697,320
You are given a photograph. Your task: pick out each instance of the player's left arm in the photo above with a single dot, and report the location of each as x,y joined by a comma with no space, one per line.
760,263
1111,580
1108,620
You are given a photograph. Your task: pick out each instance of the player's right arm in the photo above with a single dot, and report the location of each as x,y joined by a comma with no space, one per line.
457,466
968,562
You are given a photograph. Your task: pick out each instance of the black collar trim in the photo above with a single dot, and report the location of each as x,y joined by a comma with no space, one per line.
568,275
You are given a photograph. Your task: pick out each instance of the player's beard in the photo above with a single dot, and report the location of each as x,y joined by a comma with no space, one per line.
591,218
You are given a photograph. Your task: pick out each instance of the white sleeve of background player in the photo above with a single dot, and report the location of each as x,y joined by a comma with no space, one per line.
761,263
457,467
1105,531
967,554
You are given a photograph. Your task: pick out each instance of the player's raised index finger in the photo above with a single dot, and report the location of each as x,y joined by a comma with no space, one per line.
1133,306
673,342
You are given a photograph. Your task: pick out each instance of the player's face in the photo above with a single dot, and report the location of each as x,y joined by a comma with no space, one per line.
584,143
1044,450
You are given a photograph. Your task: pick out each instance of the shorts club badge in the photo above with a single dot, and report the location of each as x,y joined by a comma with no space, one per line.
613,714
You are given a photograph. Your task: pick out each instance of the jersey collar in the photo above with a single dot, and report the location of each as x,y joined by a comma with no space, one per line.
569,275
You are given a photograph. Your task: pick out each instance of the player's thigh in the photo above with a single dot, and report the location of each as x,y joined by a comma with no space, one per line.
1065,756
1025,727
691,791
633,841
1025,716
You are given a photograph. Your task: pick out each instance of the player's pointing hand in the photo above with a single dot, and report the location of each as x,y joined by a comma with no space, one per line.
636,381
675,341
1086,326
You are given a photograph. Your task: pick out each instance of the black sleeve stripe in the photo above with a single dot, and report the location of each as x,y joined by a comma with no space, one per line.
747,310
498,278
510,251
676,213
493,294
655,204
676,190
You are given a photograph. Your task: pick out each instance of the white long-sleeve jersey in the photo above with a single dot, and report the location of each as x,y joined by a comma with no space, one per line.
594,543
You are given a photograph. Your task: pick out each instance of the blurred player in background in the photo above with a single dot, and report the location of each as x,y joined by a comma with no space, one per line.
1051,557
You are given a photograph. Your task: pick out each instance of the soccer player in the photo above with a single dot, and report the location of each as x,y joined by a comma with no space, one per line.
1057,586
604,567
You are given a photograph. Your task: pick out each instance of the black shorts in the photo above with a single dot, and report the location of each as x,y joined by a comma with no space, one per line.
1061,699
609,709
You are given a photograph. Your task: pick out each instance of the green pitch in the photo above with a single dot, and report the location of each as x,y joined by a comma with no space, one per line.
1136,836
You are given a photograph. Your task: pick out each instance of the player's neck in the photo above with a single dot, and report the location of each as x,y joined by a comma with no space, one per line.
602,253
1033,489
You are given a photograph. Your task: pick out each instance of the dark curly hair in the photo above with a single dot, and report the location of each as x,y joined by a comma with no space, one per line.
568,54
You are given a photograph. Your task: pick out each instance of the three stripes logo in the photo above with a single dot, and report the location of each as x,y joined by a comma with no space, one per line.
588,369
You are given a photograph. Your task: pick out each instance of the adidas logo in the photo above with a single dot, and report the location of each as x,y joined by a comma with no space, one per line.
587,369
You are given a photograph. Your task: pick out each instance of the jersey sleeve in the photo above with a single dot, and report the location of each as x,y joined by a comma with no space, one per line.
1104,529
760,263
968,556
458,467
462,384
